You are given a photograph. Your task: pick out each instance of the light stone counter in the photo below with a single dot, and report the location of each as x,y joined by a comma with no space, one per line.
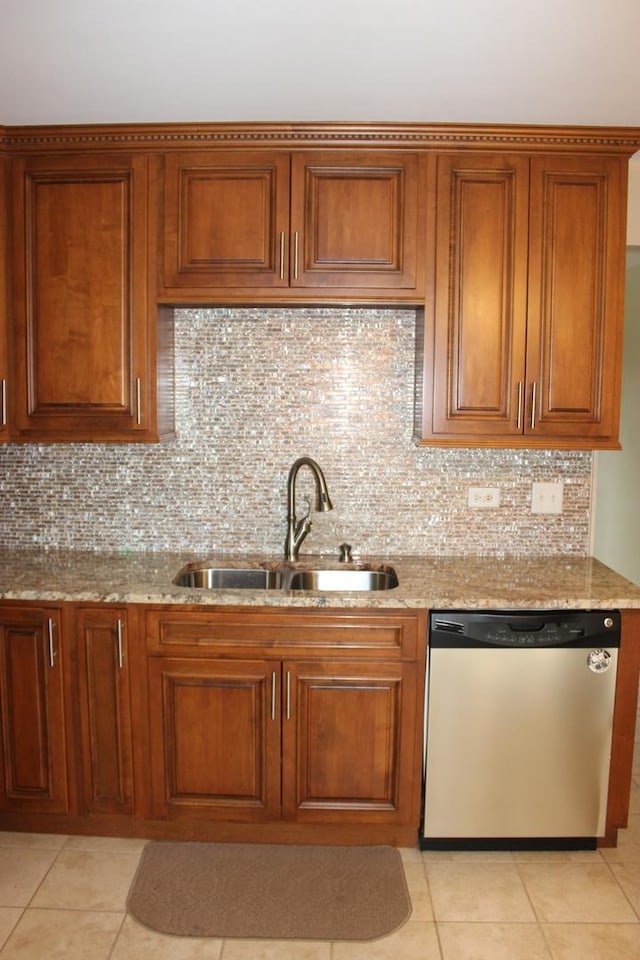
433,582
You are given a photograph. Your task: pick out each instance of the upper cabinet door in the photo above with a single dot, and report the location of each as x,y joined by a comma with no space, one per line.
576,290
474,331
357,221
522,346
226,220
4,305
243,227
81,297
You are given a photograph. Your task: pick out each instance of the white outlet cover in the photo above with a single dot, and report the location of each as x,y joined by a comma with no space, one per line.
484,498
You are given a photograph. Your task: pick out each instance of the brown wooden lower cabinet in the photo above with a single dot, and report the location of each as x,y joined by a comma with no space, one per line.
234,723
33,753
348,741
308,741
215,735
105,710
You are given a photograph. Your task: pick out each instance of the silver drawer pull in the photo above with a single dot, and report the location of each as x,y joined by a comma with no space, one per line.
120,646
520,393
52,646
533,405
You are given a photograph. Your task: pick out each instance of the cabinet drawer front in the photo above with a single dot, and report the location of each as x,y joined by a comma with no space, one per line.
256,633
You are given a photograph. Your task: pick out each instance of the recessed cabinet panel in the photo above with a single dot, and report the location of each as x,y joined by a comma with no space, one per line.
226,219
355,220
79,280
84,335
347,739
4,305
216,735
575,299
33,755
480,301
105,730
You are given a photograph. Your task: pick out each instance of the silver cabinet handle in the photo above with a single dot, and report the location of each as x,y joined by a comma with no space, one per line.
533,405
282,247
295,254
138,401
274,688
120,645
520,394
3,403
288,710
52,646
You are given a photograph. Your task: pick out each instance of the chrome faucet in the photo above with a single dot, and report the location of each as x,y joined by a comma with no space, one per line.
298,529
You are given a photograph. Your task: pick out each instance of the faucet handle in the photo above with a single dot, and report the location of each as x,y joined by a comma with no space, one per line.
306,500
345,553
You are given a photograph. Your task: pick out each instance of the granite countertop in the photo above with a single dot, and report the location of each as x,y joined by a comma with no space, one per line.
562,582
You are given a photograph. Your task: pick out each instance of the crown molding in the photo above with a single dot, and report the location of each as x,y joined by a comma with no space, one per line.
410,136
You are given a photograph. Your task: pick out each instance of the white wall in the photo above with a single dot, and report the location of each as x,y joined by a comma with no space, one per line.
633,216
68,61
617,495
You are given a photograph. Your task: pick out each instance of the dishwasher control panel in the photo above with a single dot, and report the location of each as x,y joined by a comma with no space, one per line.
524,628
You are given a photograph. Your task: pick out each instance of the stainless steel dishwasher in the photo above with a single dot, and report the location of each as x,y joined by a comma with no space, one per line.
518,725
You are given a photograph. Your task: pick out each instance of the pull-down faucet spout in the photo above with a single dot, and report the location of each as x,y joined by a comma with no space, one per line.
298,529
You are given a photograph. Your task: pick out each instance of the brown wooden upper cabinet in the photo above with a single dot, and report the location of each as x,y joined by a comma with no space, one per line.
521,345
247,226
4,306
89,341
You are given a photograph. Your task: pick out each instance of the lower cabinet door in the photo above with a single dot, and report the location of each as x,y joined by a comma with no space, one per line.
104,699
33,757
349,742
215,739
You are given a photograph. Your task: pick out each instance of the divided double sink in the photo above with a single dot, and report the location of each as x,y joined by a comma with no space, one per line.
286,577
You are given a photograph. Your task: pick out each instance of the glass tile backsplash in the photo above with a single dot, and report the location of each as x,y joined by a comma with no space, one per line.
257,388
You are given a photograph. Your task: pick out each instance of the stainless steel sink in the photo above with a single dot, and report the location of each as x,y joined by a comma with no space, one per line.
285,578
338,580
229,578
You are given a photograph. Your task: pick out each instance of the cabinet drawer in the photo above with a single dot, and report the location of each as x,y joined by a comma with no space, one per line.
257,632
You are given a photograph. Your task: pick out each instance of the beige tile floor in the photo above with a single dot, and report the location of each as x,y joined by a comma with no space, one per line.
63,898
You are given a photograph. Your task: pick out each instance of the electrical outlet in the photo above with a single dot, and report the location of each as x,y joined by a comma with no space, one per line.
481,498
546,498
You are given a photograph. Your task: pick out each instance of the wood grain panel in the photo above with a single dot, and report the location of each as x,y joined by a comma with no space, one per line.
105,729
84,336
346,741
575,295
480,307
33,724
224,216
357,219
216,745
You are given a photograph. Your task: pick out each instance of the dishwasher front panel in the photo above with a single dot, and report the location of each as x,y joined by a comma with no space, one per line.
518,742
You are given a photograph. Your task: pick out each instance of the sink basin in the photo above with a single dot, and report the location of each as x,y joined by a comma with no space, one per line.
284,578
337,580
229,578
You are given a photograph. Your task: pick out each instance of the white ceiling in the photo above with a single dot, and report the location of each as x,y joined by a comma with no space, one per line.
512,61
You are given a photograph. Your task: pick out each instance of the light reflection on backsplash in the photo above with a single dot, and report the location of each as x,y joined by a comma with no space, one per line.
257,388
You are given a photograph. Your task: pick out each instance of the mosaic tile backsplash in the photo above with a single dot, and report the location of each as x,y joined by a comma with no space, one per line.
257,388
